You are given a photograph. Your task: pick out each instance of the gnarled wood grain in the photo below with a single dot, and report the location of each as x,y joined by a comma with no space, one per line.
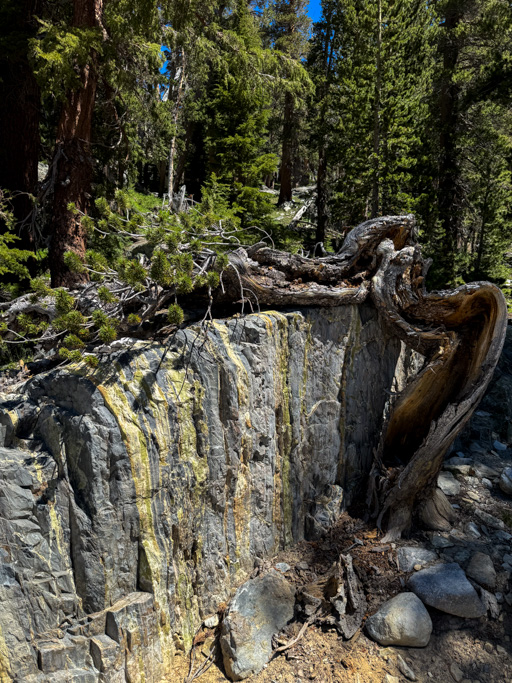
460,333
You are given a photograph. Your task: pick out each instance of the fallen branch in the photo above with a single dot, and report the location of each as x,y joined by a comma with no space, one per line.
294,641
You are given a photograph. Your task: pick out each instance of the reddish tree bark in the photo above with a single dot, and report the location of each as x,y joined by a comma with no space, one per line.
19,117
73,160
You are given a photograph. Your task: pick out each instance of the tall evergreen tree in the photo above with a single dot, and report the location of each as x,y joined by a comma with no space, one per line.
289,32
473,47
237,113
89,45
370,64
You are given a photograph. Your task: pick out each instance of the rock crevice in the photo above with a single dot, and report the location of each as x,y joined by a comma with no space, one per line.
169,480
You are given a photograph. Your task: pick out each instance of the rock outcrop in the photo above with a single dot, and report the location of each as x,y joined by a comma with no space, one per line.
133,500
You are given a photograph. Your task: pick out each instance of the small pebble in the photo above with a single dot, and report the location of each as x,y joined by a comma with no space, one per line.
456,672
489,647
212,621
501,650
405,669
283,567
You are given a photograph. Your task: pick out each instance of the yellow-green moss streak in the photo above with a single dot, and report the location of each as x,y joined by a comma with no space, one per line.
189,401
242,498
283,503
352,344
135,442
5,665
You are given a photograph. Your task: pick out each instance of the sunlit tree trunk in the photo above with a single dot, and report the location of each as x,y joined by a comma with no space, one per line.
72,158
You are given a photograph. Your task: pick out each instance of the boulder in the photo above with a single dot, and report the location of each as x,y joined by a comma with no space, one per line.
490,520
445,587
439,541
498,446
506,481
261,607
482,471
448,484
403,620
481,570
459,465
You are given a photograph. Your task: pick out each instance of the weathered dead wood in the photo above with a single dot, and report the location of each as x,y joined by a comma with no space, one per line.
336,599
460,333
296,219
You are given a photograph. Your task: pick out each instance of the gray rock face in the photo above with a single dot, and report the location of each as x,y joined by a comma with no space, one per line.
261,607
410,556
403,620
168,480
445,587
481,570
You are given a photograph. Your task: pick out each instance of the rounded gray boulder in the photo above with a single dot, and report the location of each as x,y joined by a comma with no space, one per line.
506,481
261,607
403,620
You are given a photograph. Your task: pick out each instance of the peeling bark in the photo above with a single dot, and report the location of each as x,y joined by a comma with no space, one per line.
460,332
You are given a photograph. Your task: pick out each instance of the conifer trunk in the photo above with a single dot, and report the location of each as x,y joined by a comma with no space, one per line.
376,118
285,172
321,196
19,122
172,152
73,158
449,172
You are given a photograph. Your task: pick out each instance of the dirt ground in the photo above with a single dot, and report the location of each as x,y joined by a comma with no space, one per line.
481,648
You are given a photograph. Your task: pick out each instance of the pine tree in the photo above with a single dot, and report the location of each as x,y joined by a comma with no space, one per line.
472,67
288,30
84,46
237,115
369,61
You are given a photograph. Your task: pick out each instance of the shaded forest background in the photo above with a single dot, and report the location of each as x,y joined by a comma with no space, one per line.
381,107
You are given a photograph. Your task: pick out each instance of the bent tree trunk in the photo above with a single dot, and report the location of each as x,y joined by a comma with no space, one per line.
72,163
459,332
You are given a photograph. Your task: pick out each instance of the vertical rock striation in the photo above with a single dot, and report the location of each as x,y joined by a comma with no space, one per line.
133,500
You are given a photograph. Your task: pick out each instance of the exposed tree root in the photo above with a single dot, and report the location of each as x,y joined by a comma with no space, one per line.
460,333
